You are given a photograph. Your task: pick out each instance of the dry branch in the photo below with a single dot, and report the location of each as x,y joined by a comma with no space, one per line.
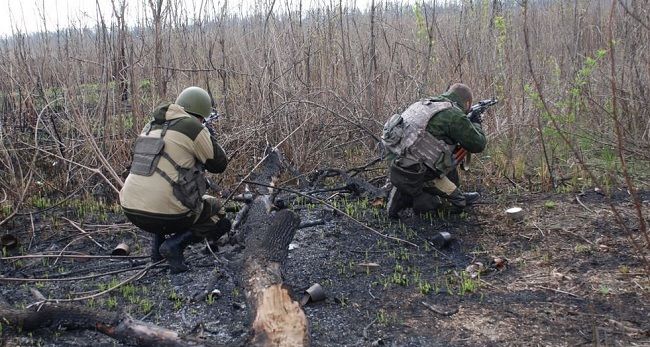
115,325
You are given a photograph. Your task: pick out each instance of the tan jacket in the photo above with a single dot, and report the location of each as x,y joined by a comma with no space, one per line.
186,141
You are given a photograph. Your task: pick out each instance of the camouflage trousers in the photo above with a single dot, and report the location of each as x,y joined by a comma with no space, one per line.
205,226
421,184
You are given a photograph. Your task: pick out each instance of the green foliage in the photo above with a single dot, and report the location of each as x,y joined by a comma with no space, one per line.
145,305
40,202
111,303
146,85
582,248
127,120
420,22
550,204
210,299
5,209
467,283
603,289
382,317
176,299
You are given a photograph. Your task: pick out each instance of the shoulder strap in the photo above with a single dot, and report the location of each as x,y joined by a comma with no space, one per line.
165,155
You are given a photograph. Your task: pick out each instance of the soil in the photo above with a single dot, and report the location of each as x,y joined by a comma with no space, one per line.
566,275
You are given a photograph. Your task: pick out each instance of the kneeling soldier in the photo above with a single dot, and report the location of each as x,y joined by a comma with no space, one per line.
421,142
164,193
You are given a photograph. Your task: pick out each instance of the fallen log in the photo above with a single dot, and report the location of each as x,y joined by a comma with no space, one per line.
277,319
116,325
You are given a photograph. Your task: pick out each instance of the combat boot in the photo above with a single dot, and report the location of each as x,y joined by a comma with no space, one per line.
461,200
425,203
158,239
471,198
397,201
173,248
222,227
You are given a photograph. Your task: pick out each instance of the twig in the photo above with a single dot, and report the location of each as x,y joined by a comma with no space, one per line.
359,169
55,205
73,256
325,190
633,15
370,291
85,233
31,239
67,279
583,205
132,278
439,311
538,228
559,291
337,210
365,330
263,159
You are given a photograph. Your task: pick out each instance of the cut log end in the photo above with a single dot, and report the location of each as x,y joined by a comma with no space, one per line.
279,321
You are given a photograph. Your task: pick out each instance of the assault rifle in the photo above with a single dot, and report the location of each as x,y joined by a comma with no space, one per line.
214,115
476,111
461,156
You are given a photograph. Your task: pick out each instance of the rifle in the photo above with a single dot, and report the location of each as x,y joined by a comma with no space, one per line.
476,111
214,116
461,156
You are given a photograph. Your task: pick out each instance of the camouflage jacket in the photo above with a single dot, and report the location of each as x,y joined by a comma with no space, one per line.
453,126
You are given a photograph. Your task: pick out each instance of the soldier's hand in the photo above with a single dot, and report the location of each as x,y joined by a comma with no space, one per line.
211,130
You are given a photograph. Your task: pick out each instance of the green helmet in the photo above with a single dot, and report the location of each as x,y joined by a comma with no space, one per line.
195,101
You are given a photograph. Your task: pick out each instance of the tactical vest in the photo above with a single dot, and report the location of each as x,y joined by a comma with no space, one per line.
406,136
190,186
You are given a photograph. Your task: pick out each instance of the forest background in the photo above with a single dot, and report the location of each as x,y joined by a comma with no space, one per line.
571,77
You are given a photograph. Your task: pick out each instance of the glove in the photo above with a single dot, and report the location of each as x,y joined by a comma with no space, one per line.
475,117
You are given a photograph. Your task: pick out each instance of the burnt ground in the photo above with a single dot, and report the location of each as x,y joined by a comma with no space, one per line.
567,276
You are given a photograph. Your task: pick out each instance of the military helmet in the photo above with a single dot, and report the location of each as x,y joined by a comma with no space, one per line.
195,101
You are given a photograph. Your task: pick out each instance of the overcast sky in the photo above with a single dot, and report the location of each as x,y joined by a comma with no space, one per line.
29,15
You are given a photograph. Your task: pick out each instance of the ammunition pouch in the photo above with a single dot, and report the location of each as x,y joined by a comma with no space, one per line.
190,186
146,155
392,134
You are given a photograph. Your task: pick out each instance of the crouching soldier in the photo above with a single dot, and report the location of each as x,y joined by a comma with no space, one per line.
421,143
164,191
